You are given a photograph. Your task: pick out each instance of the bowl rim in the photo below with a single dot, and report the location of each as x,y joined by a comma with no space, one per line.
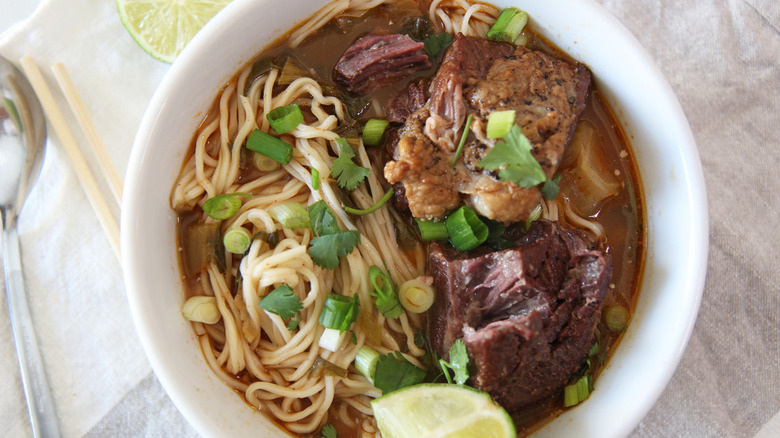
134,202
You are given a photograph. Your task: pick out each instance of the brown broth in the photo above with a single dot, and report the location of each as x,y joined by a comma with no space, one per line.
622,216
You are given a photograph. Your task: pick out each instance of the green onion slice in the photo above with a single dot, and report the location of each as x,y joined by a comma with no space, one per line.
339,312
315,179
373,131
224,206
508,26
500,123
292,215
466,229
577,392
264,164
285,118
432,230
463,137
373,208
616,317
384,292
270,146
365,362
237,240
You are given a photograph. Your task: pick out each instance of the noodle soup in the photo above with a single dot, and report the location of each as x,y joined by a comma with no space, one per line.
274,357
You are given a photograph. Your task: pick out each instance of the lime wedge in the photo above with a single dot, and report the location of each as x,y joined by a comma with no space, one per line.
441,410
163,27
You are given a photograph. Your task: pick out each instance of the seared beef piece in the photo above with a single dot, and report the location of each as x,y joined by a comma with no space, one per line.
376,61
466,61
410,99
526,314
548,95
425,171
479,76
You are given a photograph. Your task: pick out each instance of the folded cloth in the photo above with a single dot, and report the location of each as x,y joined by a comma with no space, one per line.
74,281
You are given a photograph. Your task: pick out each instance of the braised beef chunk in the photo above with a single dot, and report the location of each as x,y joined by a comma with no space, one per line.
527,314
376,61
548,95
466,61
408,100
478,77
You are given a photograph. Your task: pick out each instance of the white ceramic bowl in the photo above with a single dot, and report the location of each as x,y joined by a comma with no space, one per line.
651,116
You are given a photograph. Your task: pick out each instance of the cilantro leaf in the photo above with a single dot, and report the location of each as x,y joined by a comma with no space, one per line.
550,188
322,219
437,42
394,372
282,301
459,360
384,292
326,250
348,174
329,431
514,161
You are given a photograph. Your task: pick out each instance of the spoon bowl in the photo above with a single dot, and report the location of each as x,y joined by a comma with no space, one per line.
22,144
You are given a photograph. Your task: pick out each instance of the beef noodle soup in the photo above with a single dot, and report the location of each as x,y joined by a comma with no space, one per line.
353,197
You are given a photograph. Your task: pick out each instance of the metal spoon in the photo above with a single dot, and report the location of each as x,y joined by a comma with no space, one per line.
22,143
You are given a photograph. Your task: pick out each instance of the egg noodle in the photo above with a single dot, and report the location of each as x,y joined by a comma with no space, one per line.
251,349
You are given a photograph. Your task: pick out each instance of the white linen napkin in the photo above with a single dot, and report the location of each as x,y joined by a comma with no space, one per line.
74,280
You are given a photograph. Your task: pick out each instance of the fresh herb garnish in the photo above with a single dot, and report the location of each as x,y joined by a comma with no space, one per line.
326,250
329,431
514,161
322,219
437,42
394,371
385,293
283,302
550,188
348,174
459,360
330,242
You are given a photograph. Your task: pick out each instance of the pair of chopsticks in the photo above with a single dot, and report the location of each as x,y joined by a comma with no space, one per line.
85,176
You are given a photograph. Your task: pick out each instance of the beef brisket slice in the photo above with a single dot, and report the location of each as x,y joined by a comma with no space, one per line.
376,61
527,314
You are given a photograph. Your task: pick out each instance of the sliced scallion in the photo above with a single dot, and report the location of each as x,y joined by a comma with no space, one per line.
237,240
264,164
339,312
373,208
577,392
285,118
417,295
270,146
466,129
224,206
315,179
508,26
432,230
201,309
292,215
500,123
466,229
365,362
616,317
384,292
373,131
331,339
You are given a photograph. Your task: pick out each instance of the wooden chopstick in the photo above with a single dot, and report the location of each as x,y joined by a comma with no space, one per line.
85,177
98,147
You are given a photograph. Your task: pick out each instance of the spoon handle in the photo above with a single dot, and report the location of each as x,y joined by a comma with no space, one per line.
36,388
